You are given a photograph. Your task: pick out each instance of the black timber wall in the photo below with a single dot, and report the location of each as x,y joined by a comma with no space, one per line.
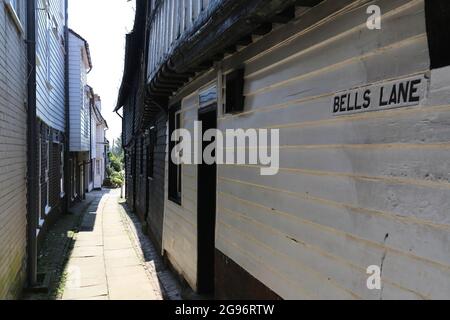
156,184
149,199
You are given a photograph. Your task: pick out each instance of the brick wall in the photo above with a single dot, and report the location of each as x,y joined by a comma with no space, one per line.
13,197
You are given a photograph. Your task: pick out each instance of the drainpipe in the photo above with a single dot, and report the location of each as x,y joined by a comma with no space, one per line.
32,150
67,169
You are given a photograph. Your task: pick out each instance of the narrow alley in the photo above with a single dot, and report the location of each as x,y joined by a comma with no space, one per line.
108,261
224,150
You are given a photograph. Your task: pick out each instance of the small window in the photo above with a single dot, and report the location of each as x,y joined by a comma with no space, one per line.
175,171
16,8
234,91
208,96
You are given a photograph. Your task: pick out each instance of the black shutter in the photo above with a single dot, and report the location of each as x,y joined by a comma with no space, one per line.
235,99
438,30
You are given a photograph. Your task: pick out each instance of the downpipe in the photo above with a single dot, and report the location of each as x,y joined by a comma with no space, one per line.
32,148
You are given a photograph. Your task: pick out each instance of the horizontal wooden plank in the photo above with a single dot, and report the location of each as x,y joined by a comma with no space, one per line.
384,65
359,223
321,248
335,271
247,260
415,164
417,202
314,50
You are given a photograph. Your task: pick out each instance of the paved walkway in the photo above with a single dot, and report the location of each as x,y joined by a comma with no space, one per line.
106,262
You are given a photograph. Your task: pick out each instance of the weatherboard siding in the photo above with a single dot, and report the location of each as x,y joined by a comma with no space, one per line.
180,221
50,92
353,191
13,154
79,106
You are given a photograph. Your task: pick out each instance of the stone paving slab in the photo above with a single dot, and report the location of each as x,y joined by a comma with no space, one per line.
105,263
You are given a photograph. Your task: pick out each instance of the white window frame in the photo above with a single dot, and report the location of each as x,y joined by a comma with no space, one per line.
47,179
61,168
41,221
48,37
14,9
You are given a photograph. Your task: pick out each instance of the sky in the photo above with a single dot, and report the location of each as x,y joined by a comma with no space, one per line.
104,24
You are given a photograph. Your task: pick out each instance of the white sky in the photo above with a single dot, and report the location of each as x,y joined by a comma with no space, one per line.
104,24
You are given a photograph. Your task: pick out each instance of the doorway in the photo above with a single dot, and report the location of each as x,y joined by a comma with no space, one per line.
206,215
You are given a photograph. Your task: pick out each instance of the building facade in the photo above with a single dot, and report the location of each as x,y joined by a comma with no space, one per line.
51,106
100,144
362,116
81,103
144,134
13,152
43,94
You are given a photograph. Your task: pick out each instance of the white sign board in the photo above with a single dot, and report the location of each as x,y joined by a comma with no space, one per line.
384,96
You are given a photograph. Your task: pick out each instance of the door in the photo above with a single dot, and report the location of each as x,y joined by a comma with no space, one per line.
206,215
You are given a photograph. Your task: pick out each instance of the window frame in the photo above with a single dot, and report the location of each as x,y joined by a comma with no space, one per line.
175,171
48,37
234,98
151,153
47,173
61,169
141,156
15,10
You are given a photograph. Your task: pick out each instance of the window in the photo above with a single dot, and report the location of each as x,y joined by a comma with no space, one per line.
40,178
91,172
141,157
175,171
61,169
55,27
234,91
16,10
44,147
47,170
48,32
151,153
99,166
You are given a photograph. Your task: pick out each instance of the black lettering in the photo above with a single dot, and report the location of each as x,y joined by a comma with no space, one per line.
351,108
349,98
403,92
413,90
393,99
342,108
382,103
336,104
367,99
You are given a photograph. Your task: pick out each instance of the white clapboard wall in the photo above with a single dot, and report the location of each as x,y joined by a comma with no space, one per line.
50,55
353,191
180,221
356,190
